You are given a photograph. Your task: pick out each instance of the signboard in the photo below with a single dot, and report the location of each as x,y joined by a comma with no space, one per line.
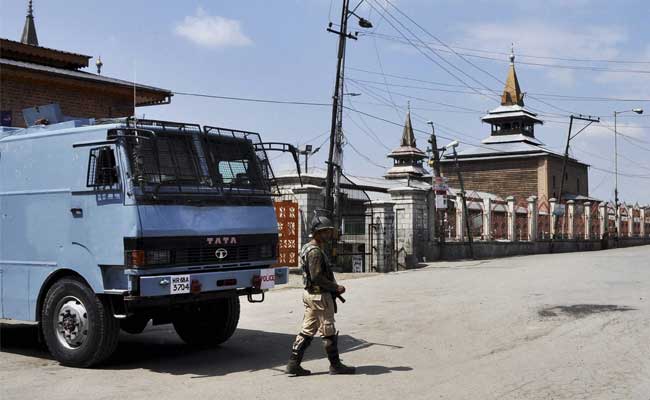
287,215
357,263
441,202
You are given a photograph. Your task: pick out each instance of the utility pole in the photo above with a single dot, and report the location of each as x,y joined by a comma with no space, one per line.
465,210
438,215
337,99
566,154
334,159
617,216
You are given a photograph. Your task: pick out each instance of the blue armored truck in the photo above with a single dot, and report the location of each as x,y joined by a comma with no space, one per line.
108,225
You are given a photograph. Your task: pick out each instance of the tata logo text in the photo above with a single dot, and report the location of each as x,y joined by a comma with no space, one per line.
219,240
221,253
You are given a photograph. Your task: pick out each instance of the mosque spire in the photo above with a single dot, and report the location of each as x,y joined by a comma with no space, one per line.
512,94
408,137
29,30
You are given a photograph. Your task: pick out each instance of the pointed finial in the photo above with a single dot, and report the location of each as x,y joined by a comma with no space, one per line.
408,105
30,9
512,53
99,65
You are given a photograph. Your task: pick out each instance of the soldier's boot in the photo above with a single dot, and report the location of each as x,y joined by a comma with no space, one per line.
297,353
332,350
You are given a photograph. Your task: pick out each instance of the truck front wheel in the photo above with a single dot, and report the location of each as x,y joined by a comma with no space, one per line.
77,325
208,324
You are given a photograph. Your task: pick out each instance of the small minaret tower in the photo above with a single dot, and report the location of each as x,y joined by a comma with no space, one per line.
512,120
407,158
29,30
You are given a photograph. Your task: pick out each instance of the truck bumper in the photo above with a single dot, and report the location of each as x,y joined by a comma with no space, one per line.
207,282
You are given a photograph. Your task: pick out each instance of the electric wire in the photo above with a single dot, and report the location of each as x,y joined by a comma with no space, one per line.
254,100
451,49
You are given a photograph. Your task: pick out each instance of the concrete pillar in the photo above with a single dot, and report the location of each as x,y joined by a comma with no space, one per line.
533,216
411,223
511,218
487,219
380,216
642,218
570,218
309,198
460,218
630,221
552,202
587,217
603,219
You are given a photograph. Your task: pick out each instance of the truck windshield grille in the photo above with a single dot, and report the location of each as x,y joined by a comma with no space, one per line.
170,158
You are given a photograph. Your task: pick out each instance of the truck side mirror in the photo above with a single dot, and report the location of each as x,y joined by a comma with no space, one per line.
102,168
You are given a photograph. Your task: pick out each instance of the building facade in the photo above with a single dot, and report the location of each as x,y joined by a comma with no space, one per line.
512,161
34,76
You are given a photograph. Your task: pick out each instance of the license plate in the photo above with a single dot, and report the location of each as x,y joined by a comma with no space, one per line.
268,278
180,284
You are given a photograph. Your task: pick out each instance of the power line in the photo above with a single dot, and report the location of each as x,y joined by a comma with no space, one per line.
383,167
536,64
594,60
254,100
424,53
560,97
466,60
640,176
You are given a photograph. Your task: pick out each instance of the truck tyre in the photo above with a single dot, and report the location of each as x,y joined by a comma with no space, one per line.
78,326
134,324
208,324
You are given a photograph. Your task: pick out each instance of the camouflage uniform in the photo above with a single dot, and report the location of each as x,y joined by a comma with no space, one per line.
318,299
320,285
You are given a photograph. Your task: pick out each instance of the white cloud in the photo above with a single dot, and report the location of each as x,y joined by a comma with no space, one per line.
212,30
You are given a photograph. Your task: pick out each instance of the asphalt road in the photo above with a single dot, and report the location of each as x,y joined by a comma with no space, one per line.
567,326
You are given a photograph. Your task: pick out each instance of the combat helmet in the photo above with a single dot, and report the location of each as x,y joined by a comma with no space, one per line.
321,220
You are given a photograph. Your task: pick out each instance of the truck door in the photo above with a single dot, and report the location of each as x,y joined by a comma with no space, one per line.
95,191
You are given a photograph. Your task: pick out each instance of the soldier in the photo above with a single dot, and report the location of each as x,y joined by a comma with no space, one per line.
319,296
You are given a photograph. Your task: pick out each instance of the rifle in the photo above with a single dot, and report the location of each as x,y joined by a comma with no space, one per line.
335,296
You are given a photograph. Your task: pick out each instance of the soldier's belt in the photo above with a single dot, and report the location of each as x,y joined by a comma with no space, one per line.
315,290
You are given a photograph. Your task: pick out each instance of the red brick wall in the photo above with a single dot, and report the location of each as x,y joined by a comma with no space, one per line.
76,100
522,177
574,172
516,177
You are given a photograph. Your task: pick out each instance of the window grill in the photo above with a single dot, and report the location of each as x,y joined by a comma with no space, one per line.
102,168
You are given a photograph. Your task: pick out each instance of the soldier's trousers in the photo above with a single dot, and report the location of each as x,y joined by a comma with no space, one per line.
319,314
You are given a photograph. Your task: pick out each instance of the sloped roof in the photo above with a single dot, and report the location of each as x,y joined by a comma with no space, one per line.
153,94
512,92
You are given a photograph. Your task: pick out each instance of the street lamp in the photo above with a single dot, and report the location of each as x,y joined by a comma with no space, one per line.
307,151
452,146
634,110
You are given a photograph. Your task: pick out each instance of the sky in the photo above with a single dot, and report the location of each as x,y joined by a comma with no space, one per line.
280,50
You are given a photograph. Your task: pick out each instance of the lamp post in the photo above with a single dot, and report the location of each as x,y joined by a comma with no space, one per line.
470,240
307,151
616,113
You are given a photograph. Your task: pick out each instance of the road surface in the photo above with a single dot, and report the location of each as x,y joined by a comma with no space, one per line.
563,326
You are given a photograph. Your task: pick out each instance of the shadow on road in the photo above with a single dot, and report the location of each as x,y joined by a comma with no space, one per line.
159,349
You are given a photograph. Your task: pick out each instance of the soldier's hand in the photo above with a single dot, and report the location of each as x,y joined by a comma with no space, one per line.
340,289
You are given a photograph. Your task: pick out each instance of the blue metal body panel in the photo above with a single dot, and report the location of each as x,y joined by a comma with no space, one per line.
159,285
159,220
43,177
